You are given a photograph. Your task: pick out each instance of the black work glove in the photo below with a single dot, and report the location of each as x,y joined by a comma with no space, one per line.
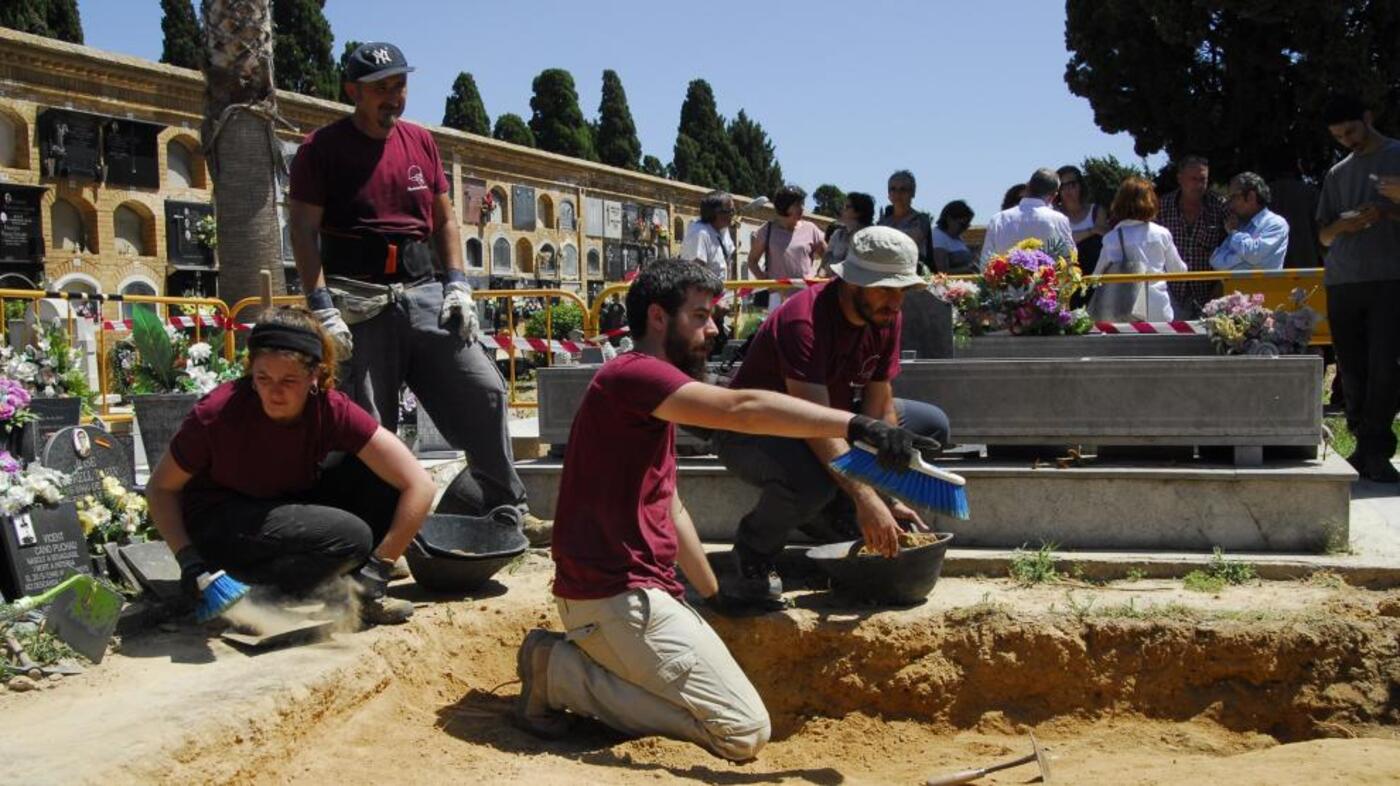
894,447
192,566
373,577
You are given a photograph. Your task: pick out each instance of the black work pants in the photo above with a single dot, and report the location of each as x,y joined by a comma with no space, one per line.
1365,320
296,544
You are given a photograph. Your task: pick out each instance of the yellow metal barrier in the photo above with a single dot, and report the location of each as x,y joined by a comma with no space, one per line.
237,309
1276,286
548,295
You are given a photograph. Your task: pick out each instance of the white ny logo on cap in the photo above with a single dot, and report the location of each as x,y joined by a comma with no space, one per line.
381,56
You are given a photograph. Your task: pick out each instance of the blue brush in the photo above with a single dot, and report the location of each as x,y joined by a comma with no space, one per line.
218,591
921,485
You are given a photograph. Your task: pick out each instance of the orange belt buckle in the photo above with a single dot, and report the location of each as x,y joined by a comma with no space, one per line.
391,261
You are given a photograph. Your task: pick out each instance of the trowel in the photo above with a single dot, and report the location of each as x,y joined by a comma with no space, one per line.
1036,755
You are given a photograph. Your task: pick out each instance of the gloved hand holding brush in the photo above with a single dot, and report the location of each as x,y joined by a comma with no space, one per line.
894,447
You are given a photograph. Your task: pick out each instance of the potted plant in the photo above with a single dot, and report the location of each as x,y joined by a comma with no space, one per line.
165,374
51,369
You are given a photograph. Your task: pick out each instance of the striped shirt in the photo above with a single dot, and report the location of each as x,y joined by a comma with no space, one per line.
1195,242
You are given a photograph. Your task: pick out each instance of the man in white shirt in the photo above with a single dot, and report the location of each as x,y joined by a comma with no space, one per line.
1032,218
707,239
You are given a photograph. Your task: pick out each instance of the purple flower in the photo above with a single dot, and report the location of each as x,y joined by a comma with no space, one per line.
8,464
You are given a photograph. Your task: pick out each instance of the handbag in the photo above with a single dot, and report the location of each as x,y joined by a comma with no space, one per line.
1121,301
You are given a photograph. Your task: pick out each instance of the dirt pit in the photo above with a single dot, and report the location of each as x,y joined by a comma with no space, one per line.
1140,684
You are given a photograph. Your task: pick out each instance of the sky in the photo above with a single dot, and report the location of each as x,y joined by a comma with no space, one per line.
969,96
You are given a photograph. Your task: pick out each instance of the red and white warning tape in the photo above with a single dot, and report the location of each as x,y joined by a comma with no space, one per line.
180,322
1178,327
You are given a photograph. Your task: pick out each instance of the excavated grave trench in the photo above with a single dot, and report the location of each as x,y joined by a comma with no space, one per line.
869,697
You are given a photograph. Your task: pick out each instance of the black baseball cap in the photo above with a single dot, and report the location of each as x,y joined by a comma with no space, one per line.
375,61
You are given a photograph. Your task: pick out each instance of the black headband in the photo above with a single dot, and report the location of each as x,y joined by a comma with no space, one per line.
268,335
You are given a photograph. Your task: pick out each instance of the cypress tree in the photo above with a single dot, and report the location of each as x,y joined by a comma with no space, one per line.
758,169
511,127
350,47
704,155
464,110
301,49
57,19
653,166
555,118
618,144
183,40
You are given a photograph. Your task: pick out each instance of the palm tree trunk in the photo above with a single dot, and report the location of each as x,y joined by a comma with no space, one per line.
240,143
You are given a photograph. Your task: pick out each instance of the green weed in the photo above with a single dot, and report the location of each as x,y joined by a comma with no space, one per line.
1219,573
1029,568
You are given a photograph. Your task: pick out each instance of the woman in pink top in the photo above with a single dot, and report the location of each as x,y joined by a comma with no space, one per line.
788,246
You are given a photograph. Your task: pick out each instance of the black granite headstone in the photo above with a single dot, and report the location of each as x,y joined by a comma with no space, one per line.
928,326
181,239
129,153
40,549
69,144
612,266
21,231
53,414
631,213
87,458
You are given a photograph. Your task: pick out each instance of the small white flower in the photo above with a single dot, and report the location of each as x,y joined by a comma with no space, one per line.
200,352
204,380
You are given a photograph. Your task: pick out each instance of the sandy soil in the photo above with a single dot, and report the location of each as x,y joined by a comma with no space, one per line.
1137,684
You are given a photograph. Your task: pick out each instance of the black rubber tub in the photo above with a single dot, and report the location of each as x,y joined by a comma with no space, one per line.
460,553
904,580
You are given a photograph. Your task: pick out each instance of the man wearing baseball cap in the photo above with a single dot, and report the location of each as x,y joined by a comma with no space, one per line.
380,260
835,344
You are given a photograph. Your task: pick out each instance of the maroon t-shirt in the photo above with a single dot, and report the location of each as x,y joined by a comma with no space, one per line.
612,525
808,339
384,186
231,447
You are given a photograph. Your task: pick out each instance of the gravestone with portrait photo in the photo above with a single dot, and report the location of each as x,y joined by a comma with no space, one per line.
87,454
21,230
40,548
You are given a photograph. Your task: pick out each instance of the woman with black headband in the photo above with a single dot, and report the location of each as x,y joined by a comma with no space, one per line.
246,486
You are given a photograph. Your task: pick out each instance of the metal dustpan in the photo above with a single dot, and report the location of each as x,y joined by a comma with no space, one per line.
82,613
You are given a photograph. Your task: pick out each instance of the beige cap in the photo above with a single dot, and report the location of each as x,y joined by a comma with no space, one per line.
881,257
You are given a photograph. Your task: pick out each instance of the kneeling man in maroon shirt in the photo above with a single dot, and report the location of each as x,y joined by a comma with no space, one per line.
635,656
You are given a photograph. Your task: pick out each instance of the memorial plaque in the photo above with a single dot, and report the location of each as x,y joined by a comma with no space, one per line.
181,241
612,261
593,217
612,220
523,201
41,548
631,215
129,153
86,453
474,190
21,223
69,144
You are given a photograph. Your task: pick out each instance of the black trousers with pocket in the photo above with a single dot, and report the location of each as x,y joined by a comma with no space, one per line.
1365,320
296,544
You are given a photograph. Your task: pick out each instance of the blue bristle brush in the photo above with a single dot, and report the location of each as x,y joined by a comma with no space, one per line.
217,593
921,484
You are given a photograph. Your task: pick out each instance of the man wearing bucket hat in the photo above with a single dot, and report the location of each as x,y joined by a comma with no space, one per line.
380,258
835,344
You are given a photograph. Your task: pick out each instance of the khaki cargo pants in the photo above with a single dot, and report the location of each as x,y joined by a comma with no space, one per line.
645,663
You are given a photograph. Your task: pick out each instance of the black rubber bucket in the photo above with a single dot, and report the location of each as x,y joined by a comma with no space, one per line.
904,580
460,553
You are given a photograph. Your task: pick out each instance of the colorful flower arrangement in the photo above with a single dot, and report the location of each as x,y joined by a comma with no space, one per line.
1026,291
158,358
14,405
21,489
1241,324
488,205
114,515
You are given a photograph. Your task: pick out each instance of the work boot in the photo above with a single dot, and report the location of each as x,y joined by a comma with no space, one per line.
385,611
532,711
400,570
537,530
756,585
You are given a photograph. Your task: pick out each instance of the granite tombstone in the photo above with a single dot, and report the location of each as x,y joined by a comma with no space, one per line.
86,454
40,548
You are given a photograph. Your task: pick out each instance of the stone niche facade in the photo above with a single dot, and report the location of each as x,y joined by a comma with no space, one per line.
547,227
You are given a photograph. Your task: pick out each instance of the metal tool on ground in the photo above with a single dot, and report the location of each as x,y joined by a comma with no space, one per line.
82,612
302,632
920,484
1037,755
